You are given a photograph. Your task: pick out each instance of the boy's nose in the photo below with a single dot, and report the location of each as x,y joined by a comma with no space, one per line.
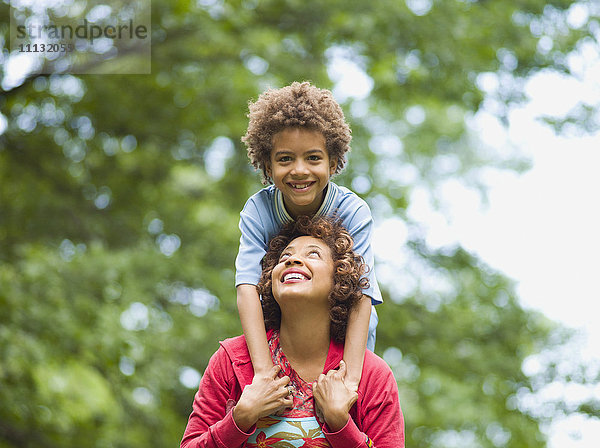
299,169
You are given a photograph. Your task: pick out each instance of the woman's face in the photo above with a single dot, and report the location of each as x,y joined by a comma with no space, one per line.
304,271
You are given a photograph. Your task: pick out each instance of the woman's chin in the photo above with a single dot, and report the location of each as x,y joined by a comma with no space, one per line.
298,305
291,296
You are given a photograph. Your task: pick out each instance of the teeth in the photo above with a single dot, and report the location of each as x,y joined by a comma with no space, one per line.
300,185
294,275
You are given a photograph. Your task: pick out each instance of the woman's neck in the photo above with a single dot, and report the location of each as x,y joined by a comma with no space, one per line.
304,339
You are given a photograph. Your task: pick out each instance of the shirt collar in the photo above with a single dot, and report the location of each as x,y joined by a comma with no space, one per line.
335,352
283,217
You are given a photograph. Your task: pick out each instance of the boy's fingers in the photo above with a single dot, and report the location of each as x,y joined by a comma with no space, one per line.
316,391
283,380
274,371
286,391
342,369
283,404
319,413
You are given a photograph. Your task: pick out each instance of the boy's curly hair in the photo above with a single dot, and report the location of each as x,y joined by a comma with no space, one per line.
297,105
349,268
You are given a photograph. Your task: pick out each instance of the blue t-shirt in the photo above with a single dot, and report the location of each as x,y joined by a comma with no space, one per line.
264,214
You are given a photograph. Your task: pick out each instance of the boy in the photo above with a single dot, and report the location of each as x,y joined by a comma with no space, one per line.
298,137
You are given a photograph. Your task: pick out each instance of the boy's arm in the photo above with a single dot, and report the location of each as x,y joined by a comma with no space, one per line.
356,342
253,326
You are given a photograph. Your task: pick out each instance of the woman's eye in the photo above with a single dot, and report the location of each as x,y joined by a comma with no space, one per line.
314,253
284,257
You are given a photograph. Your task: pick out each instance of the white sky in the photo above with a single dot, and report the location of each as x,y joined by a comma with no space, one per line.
541,228
547,223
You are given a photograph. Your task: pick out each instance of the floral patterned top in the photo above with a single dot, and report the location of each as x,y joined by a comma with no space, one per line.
296,427
304,405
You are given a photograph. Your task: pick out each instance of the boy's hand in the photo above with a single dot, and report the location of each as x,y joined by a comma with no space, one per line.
266,395
351,381
351,385
333,399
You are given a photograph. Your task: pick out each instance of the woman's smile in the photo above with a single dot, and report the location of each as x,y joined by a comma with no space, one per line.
294,275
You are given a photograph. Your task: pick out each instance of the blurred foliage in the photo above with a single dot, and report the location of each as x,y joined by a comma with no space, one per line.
120,196
581,119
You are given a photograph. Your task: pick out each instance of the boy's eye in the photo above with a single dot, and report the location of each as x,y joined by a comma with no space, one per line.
284,159
314,158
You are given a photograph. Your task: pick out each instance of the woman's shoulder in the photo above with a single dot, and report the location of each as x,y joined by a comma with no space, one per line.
375,366
378,383
235,347
233,358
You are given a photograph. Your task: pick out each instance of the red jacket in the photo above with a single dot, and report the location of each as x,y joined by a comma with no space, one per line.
376,413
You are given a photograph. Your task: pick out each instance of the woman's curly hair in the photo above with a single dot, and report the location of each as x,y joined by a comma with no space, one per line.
299,105
349,268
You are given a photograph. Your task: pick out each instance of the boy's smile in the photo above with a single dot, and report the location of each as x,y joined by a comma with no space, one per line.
300,168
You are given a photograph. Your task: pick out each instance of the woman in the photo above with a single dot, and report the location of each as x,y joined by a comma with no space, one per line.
310,282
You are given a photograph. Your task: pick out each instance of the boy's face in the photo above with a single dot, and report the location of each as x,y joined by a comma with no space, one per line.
300,167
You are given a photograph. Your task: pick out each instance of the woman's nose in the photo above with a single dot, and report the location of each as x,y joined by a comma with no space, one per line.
293,259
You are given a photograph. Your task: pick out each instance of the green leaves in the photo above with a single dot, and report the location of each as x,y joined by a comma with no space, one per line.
120,198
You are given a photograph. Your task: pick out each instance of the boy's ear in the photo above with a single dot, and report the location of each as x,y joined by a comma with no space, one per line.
268,168
332,165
